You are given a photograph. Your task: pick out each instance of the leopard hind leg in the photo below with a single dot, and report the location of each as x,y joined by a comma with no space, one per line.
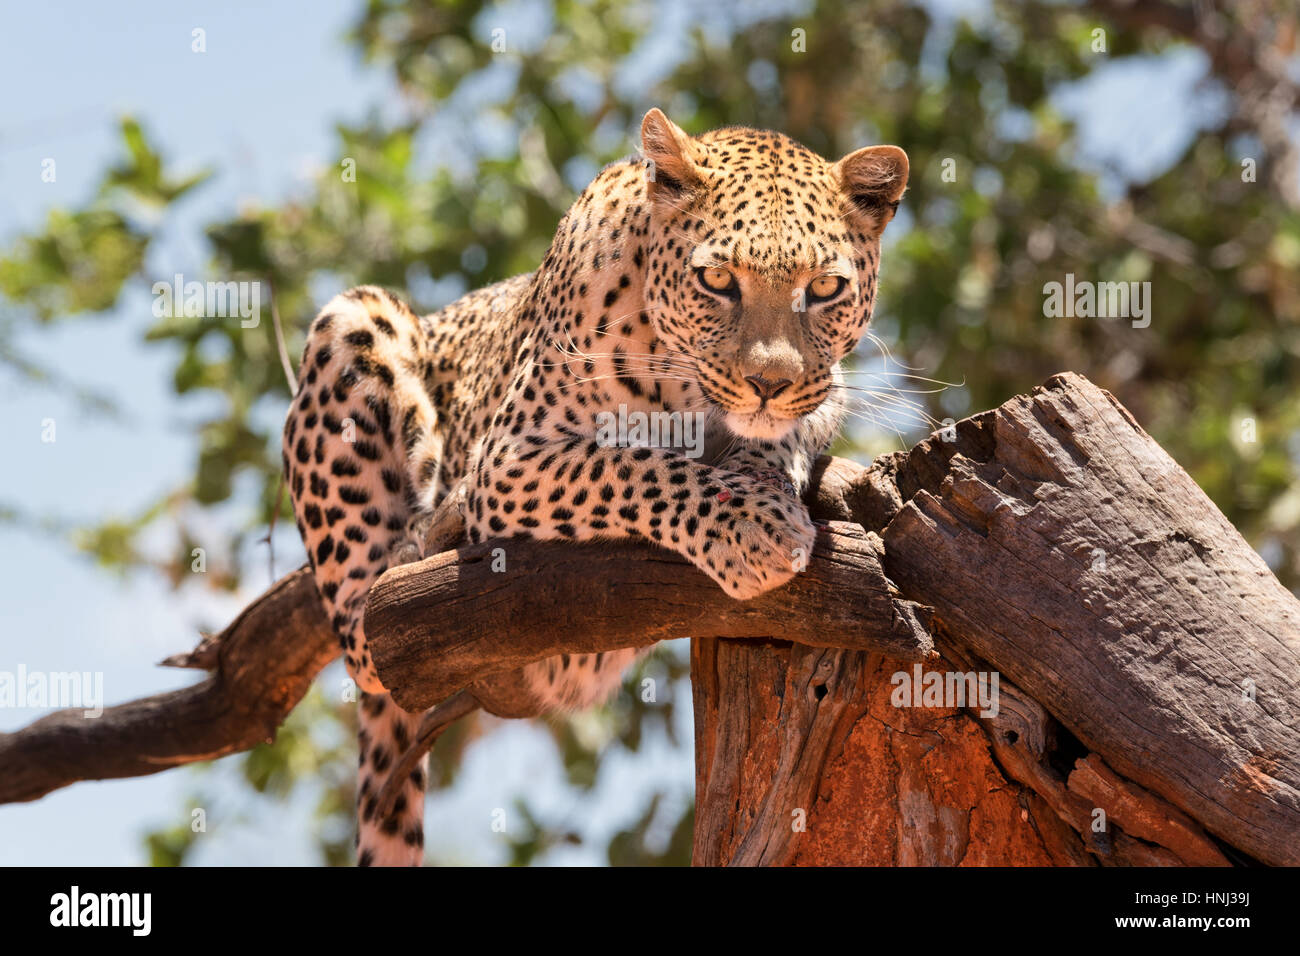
361,453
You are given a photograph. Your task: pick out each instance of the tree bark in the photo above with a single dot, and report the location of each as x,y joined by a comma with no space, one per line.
458,618
1149,656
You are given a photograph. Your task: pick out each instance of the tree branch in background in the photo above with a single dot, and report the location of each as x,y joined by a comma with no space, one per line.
1250,52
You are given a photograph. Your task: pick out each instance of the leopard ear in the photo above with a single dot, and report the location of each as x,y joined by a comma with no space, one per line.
669,155
874,179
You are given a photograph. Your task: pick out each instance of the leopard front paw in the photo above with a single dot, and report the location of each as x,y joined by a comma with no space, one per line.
760,541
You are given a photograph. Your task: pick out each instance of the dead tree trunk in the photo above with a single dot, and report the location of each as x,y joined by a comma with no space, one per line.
1147,662
1149,668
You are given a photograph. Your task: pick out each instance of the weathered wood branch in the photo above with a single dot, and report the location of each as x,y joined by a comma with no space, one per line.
485,624
262,665
448,622
1063,543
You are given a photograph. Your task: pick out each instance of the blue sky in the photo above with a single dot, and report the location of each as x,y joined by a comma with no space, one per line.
259,106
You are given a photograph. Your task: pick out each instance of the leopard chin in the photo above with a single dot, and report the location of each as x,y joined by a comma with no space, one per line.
761,425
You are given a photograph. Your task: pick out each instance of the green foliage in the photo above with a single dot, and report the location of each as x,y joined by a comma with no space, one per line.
82,259
631,847
78,264
962,283
169,847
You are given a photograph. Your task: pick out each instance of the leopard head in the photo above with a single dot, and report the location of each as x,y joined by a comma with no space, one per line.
762,263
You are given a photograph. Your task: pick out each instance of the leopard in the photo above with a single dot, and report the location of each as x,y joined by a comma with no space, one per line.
724,276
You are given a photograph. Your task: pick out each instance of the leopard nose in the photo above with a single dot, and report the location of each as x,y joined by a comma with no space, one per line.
765,388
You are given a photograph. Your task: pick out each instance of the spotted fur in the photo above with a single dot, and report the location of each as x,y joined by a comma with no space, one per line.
684,281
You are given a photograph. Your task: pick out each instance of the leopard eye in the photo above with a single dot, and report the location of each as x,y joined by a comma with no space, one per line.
826,287
717,280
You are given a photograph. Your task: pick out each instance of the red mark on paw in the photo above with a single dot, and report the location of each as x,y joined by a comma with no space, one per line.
724,495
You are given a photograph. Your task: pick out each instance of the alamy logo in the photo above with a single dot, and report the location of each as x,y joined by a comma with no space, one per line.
1098,300
683,431
946,689
40,689
209,300
103,909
